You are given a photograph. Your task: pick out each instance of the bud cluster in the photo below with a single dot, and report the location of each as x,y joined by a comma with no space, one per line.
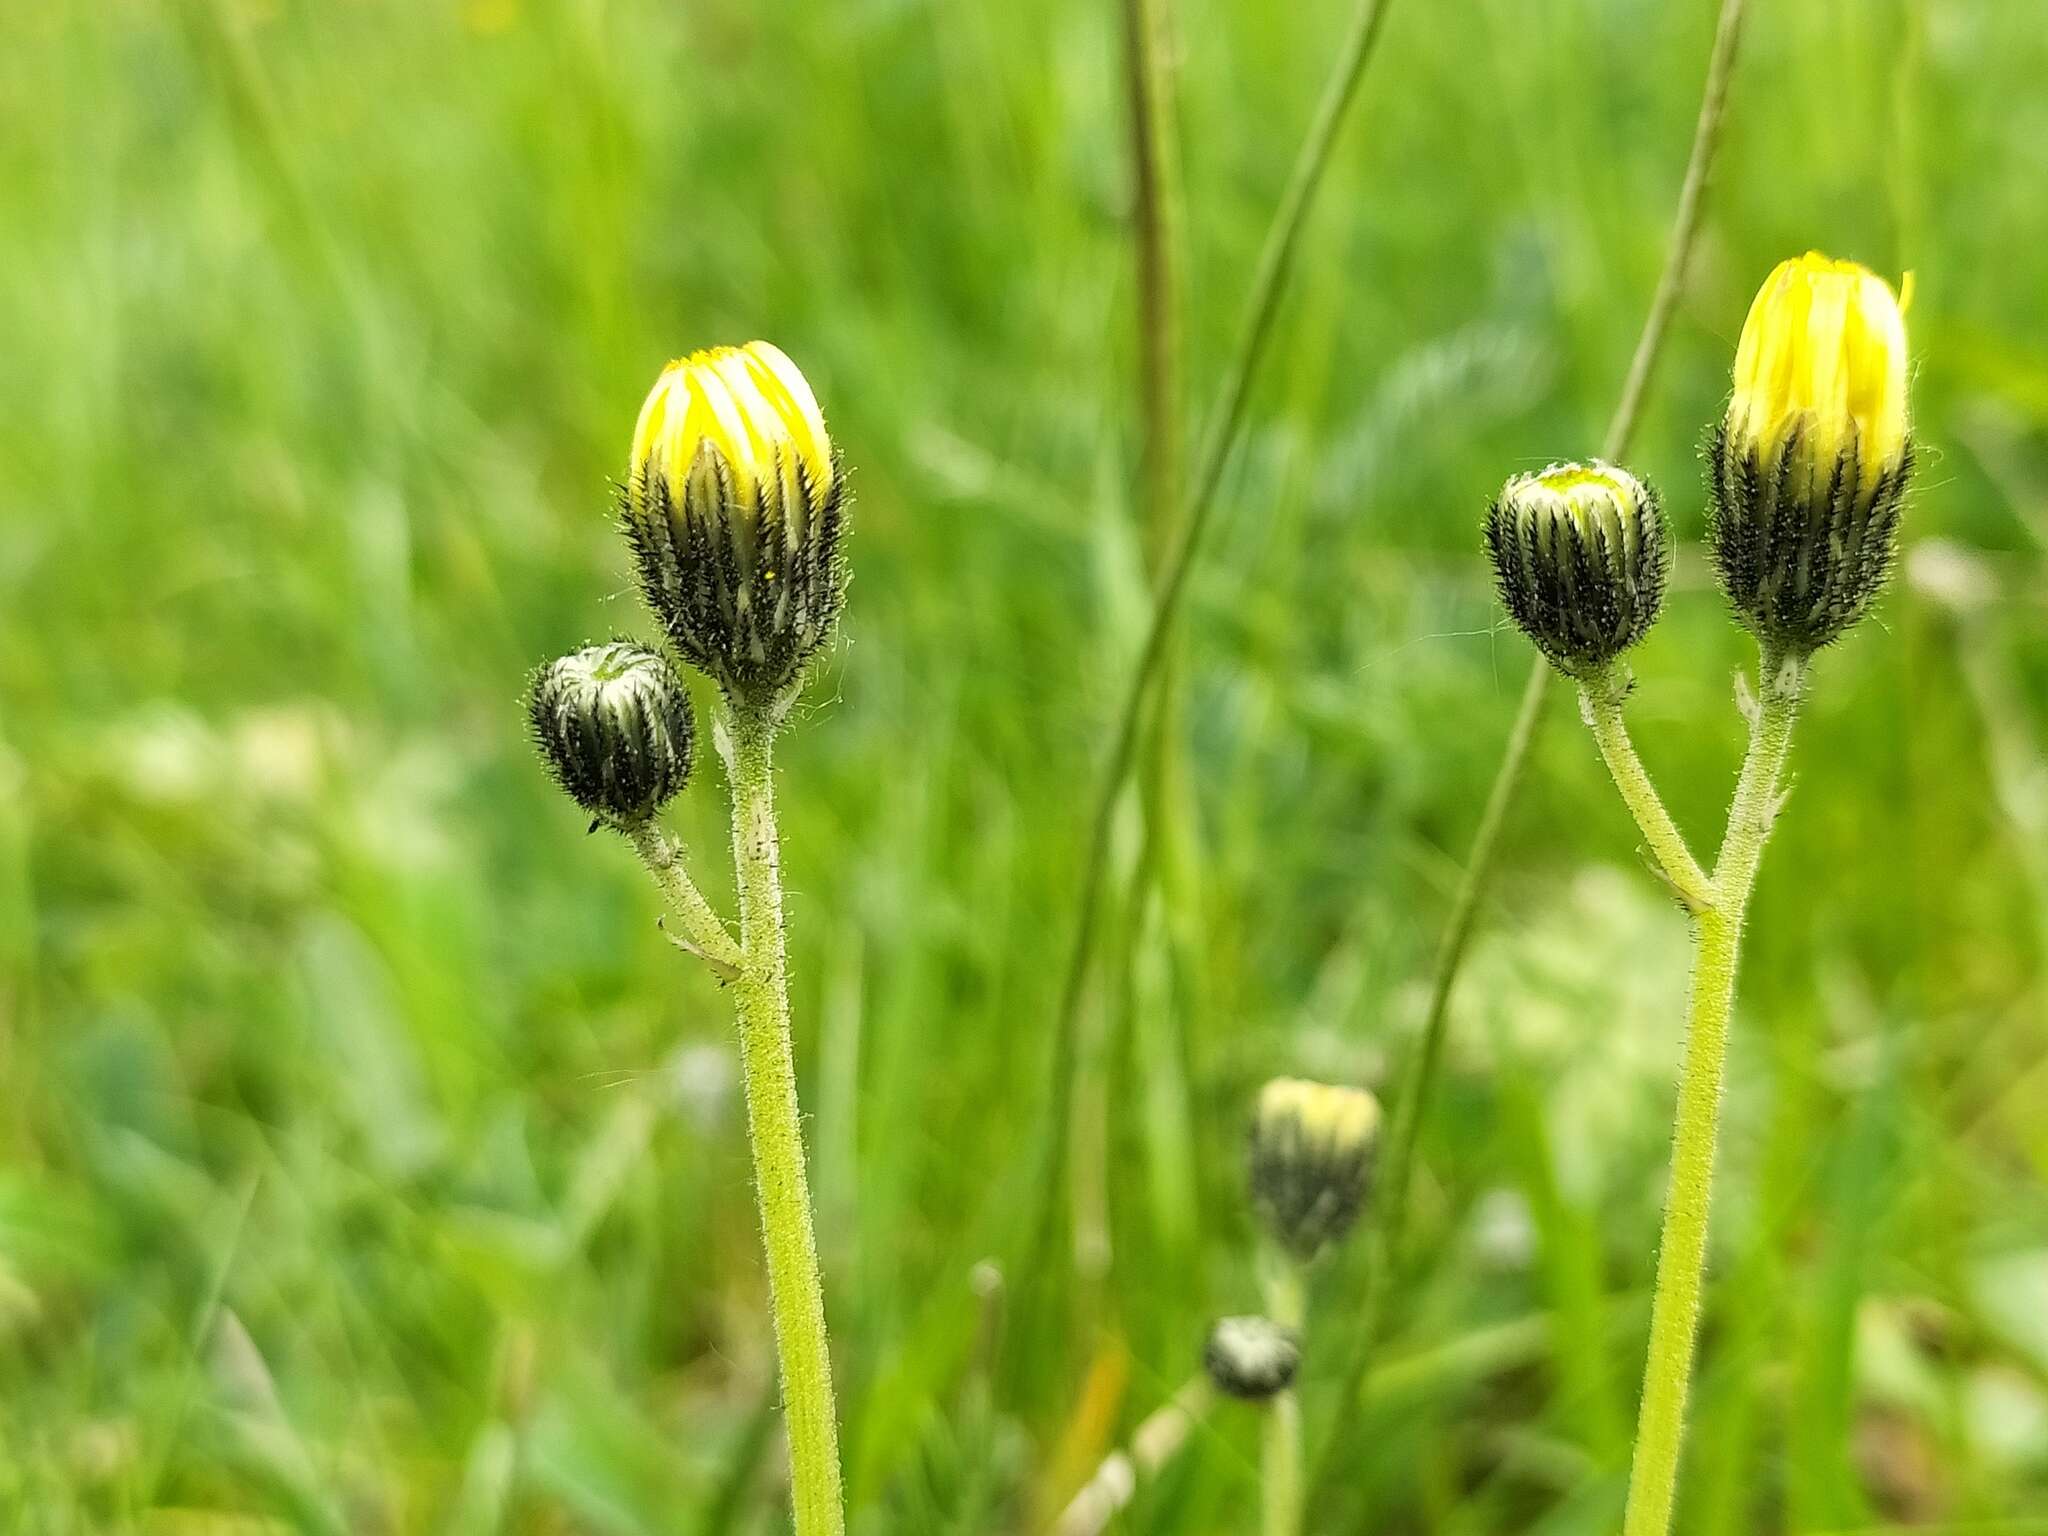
733,505
1807,472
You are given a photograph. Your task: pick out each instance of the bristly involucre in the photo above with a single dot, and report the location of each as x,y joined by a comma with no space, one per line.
1801,563
1580,555
613,725
1251,1357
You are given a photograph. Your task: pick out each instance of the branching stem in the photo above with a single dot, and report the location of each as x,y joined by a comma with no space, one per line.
1600,700
1280,1488
702,926
1682,1250
1418,1083
1281,1491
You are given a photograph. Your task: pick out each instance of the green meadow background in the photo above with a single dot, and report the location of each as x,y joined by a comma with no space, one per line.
370,1163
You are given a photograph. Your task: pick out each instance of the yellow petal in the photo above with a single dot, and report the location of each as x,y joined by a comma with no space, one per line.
647,431
1823,353
780,381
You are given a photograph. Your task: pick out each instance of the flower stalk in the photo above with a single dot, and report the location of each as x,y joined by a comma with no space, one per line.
1807,475
1717,944
775,1131
704,931
734,505
1280,1470
1600,702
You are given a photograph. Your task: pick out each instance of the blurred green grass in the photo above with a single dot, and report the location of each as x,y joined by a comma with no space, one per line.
370,1163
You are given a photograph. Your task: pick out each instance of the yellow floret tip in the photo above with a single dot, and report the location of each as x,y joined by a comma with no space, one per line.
751,408
1330,1116
1823,354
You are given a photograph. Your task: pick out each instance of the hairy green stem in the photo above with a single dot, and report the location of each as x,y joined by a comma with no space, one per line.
1682,1250
774,1127
702,927
1280,1467
1276,261
1600,700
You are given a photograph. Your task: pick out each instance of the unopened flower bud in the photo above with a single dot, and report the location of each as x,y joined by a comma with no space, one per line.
1311,1161
1251,1357
1579,553
733,505
1810,465
613,725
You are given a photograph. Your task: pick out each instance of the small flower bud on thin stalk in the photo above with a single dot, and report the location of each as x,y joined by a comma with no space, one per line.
734,505
1256,1359
1311,1158
614,727
1580,554
613,724
1809,467
1251,1357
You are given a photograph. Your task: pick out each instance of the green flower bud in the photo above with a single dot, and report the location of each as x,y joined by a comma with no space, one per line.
1311,1161
1251,1357
613,725
734,504
1579,554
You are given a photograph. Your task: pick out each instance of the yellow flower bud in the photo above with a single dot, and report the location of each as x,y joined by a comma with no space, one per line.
1810,464
1311,1160
733,505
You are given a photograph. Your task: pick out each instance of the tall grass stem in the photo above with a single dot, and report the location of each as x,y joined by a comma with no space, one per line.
1276,261
1148,97
1155,227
